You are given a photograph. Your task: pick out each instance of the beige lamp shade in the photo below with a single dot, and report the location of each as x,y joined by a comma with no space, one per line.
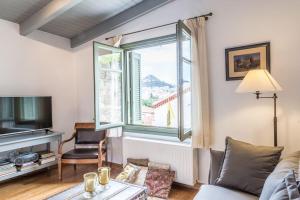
258,80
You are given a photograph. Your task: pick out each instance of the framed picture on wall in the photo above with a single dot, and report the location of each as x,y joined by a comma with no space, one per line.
239,60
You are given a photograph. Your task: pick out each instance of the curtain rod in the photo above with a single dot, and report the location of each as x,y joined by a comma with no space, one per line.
147,29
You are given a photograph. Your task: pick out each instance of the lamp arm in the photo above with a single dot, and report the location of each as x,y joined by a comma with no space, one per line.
257,93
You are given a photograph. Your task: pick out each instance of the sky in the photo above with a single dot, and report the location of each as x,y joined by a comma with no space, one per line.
159,61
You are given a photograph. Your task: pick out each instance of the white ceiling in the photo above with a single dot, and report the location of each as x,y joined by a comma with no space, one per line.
81,17
85,15
19,10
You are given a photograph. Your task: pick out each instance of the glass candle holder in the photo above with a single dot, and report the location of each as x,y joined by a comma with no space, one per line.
90,180
104,176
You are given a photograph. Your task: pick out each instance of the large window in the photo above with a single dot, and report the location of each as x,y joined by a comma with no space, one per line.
157,85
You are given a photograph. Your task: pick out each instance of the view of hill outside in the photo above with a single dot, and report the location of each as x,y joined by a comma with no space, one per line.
158,86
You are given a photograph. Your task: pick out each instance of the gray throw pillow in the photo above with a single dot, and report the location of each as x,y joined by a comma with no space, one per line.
216,160
289,162
287,189
246,167
280,192
291,186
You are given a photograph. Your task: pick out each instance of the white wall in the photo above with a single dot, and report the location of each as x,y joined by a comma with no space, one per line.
240,115
38,68
31,67
235,23
44,64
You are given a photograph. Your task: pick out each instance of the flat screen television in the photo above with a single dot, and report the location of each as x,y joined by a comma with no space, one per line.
24,114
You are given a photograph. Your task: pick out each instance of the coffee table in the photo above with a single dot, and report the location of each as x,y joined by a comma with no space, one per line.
116,191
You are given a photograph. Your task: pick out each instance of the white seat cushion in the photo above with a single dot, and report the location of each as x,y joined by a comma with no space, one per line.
213,192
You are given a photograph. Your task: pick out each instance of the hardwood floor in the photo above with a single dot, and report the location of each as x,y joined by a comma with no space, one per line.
44,184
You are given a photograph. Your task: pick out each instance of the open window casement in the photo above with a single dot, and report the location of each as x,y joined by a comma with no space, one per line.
183,35
134,62
108,86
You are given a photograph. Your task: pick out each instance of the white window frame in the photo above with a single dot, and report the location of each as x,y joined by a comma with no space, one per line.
97,111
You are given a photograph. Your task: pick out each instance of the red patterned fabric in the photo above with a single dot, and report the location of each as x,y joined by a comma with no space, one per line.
158,182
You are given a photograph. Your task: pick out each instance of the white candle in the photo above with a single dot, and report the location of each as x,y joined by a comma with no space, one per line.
104,176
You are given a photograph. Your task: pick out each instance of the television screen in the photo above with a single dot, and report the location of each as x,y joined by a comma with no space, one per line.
19,114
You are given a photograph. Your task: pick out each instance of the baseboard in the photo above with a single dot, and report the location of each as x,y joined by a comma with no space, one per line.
195,187
114,164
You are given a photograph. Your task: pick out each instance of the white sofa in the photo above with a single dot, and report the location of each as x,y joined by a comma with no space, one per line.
214,192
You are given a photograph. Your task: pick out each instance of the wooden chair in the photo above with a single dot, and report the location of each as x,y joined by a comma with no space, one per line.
90,147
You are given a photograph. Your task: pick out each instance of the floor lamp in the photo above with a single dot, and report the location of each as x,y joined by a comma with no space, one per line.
259,81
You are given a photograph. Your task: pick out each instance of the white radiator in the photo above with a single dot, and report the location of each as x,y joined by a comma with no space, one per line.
181,157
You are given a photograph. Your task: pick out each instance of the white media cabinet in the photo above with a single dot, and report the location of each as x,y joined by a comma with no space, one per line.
21,140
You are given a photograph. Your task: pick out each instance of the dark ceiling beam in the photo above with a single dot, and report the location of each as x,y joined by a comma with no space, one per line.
118,20
46,14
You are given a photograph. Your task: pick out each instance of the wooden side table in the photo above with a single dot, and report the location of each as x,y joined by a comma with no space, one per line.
21,140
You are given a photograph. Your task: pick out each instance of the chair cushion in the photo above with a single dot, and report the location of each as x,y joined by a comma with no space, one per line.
246,166
213,192
81,154
89,136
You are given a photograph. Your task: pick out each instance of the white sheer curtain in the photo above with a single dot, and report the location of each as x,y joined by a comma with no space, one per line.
116,41
200,92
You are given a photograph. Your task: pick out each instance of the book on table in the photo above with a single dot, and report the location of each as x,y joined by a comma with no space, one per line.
46,154
7,169
27,166
45,157
47,160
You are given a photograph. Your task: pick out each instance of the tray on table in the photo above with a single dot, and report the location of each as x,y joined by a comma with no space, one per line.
116,191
